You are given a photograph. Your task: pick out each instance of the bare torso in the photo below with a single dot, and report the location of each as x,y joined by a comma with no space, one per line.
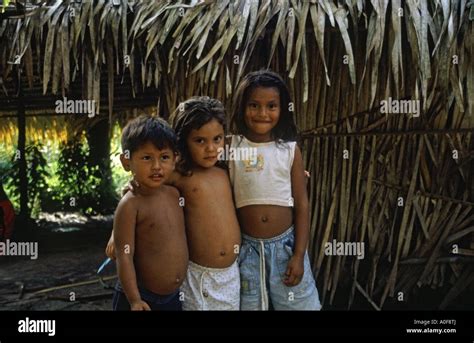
161,255
212,227
265,221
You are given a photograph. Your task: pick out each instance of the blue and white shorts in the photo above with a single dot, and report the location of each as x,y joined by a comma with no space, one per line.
263,264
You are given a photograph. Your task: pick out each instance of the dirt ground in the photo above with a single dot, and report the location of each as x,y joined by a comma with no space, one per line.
63,277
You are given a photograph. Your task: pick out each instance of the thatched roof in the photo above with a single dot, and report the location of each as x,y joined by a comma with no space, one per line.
340,59
197,40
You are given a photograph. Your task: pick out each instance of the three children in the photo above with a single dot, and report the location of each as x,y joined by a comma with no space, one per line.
270,197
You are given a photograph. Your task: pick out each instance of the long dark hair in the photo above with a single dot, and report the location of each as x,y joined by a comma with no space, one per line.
193,114
286,128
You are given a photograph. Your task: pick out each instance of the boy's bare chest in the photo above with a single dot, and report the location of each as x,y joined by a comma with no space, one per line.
155,214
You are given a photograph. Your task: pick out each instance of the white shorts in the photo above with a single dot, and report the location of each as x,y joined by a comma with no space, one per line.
211,288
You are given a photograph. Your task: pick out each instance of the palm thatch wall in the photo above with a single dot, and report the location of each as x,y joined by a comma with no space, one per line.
401,183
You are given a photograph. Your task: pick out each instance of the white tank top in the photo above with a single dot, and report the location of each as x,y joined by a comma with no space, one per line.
260,173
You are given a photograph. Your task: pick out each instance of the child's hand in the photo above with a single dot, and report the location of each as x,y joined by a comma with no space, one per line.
294,271
139,305
307,174
110,249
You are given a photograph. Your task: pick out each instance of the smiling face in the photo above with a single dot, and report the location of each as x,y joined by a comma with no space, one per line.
262,113
204,143
149,165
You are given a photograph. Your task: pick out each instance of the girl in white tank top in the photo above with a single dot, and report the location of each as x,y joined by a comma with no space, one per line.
268,180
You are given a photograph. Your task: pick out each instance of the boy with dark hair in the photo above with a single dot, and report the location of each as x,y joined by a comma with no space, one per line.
149,235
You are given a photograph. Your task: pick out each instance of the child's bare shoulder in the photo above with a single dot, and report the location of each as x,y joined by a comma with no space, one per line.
128,203
220,172
170,191
129,198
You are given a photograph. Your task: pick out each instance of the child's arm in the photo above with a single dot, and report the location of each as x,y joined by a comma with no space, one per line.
110,249
295,268
124,237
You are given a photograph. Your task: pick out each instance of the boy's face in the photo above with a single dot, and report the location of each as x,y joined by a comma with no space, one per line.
149,165
204,143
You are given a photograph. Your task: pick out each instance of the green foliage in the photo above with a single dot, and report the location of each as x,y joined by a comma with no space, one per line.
36,175
120,177
5,4
79,184
72,168
61,177
5,166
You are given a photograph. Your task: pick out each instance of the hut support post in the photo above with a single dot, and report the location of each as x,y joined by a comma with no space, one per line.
24,210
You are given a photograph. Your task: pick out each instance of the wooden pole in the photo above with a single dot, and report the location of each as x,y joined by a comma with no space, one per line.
24,211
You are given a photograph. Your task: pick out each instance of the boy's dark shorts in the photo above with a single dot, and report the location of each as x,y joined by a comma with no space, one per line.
156,302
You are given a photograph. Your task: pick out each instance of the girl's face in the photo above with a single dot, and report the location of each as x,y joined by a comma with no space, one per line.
204,143
262,113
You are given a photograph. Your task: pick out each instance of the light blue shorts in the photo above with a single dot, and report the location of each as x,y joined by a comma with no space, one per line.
262,275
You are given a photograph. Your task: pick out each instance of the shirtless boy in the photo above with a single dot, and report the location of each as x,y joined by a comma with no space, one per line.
148,235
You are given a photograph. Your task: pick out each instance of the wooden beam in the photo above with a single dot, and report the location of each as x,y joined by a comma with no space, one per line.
23,177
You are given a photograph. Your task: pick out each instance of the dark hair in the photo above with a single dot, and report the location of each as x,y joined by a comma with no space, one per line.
192,115
148,129
286,127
